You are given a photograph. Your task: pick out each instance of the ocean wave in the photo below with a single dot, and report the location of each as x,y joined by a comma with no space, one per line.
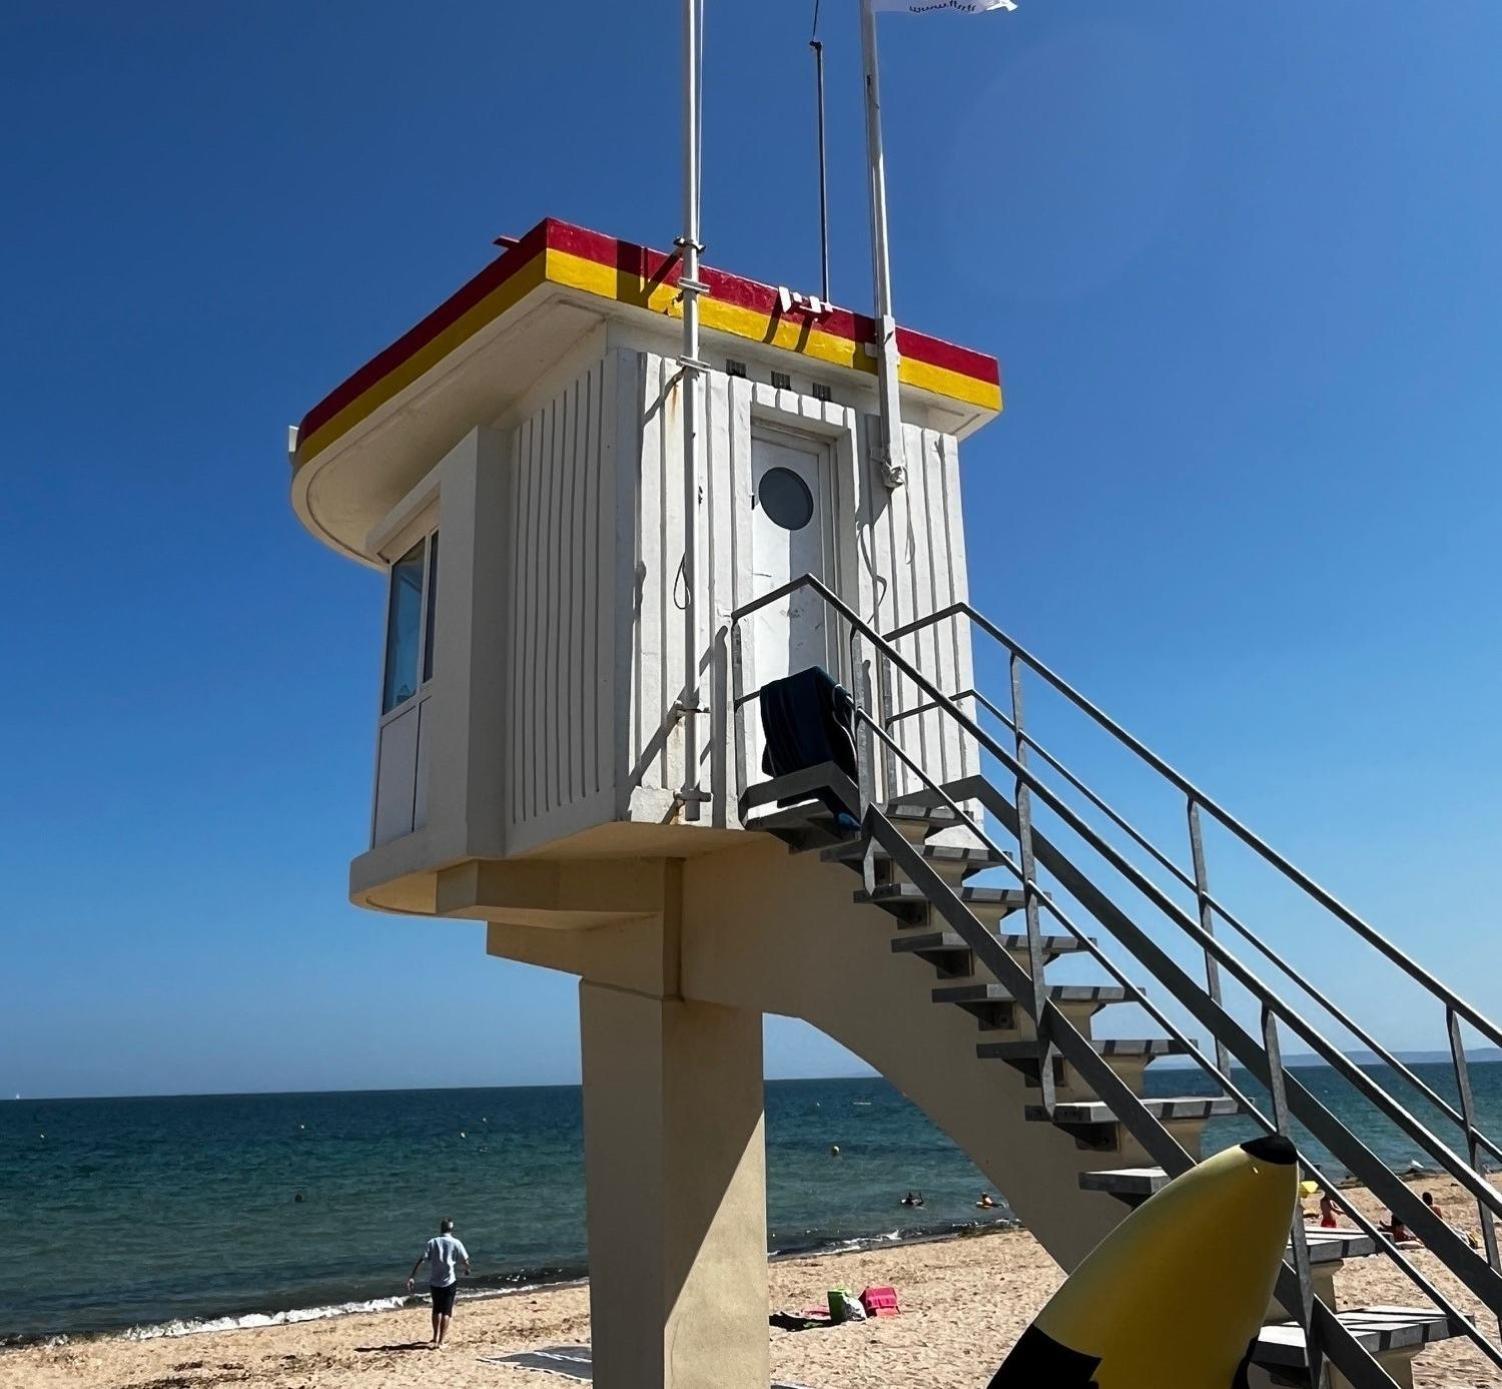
535,1279
193,1326
480,1289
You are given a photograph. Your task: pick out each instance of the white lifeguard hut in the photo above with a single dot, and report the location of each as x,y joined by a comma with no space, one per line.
566,746
514,464
603,539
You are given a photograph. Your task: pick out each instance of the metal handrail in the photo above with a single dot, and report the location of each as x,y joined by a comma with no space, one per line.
1273,1007
1250,838
1441,1240
1329,1327
1360,1365
1463,1173
1457,1009
1344,1019
1384,1245
1458,1168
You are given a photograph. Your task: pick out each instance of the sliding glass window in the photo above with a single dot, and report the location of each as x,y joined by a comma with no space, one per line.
409,623
429,608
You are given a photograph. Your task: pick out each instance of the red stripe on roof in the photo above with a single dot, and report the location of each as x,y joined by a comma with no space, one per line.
492,277
648,264
648,267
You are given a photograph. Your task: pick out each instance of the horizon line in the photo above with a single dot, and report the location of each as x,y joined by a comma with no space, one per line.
1303,1060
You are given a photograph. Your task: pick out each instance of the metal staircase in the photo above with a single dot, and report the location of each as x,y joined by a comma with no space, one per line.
1067,861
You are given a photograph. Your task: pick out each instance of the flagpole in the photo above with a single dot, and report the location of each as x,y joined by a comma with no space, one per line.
889,459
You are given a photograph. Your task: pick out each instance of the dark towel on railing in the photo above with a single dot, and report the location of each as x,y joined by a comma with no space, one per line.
807,719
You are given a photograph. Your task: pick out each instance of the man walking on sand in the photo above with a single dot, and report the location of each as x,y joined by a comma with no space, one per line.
442,1252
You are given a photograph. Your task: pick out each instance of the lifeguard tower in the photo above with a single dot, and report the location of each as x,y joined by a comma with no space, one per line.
568,748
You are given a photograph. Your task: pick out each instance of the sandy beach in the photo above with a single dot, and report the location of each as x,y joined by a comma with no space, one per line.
964,1300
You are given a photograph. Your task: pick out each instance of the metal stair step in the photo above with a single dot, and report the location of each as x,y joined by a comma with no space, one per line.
1029,1049
934,942
1059,993
1135,1184
1325,1246
908,903
801,827
1130,1184
916,812
1280,1346
1094,1112
974,860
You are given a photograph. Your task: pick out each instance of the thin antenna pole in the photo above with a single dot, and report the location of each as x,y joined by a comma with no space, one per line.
823,172
889,458
689,367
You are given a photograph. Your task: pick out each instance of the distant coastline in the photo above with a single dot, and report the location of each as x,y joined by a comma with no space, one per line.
1432,1057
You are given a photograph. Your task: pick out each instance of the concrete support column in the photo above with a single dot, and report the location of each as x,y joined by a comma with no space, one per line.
676,1171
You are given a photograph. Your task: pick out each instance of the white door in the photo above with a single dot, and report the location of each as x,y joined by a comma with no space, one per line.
791,535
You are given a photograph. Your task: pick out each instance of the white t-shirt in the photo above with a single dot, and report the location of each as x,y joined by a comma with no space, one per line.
443,1252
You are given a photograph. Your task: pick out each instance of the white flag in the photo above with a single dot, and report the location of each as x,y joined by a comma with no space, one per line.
935,6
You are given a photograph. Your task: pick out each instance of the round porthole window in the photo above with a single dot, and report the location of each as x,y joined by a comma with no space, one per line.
785,497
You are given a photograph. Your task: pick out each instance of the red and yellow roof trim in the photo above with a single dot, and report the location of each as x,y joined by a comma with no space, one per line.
557,253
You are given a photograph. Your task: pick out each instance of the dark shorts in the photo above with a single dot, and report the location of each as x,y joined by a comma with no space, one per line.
443,1299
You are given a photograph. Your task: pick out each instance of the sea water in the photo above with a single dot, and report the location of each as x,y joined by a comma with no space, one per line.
165,1215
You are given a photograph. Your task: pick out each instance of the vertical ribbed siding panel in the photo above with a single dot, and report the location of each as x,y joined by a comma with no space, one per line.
561,673
739,393
920,566
552,614
530,741
930,726
675,600
913,555
537,620
569,768
718,562
621,470
649,644
960,630
515,703
907,603
877,547
947,735
588,654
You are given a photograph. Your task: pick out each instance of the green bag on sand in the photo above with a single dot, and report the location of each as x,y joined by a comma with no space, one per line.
844,1305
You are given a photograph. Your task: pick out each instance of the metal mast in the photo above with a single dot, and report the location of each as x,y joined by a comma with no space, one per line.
890,456
818,49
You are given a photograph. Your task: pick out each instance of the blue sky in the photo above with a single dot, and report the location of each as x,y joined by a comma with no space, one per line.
1240,265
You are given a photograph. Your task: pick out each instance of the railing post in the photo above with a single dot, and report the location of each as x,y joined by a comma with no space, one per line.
865,753
1029,868
1468,1115
738,687
1207,922
865,766
1282,1118
720,702
889,758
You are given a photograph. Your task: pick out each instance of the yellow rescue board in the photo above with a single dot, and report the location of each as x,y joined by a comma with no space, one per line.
1175,1294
